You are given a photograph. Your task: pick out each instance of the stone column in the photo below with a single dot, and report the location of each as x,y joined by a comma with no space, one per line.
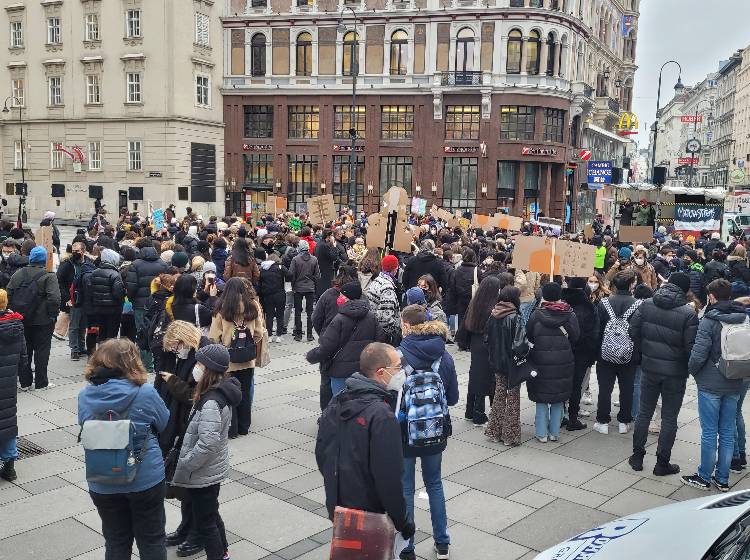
564,70
543,58
546,190
518,203
556,62
524,56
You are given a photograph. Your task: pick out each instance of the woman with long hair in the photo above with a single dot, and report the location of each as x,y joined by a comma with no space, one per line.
184,304
241,263
135,510
461,285
369,267
238,315
432,297
597,287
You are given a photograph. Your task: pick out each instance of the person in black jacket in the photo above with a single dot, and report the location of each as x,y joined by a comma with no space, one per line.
66,273
185,305
737,265
626,212
8,261
326,307
328,257
358,449
425,262
12,358
465,276
272,293
696,274
663,264
664,329
553,330
104,294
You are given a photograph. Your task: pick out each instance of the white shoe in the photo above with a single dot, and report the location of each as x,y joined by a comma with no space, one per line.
616,403
587,398
50,385
279,339
623,428
584,413
601,428
541,439
553,438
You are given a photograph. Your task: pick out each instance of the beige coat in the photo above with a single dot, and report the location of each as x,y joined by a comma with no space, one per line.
221,332
528,283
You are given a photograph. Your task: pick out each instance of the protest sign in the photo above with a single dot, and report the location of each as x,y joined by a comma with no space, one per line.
419,206
588,232
157,219
636,234
43,238
697,218
395,201
549,255
321,209
576,259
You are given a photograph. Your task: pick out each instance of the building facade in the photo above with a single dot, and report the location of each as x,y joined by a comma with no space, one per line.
669,145
722,147
741,125
117,100
470,104
698,123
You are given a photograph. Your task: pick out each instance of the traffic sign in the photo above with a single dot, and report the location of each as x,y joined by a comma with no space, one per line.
585,155
687,161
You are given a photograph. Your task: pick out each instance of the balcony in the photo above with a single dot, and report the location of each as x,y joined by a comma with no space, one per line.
461,78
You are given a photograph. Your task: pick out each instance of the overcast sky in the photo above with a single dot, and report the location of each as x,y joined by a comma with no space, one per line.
695,33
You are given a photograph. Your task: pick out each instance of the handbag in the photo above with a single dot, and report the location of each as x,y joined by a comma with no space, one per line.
475,285
170,464
264,354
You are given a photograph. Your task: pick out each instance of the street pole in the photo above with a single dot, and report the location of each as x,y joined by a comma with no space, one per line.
353,115
22,197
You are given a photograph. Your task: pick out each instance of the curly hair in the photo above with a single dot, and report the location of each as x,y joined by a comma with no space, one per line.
181,332
118,354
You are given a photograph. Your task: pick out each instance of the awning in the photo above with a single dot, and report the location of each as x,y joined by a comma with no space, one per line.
608,134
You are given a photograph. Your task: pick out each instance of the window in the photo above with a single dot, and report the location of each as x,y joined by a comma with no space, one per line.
465,50
16,35
53,31
303,180
304,3
55,155
554,121
398,53
550,54
258,121
18,91
536,4
55,90
515,43
203,90
304,54
304,121
91,27
341,178
462,122
349,60
258,170
135,162
516,3
95,156
533,47
459,183
397,122
258,3
201,30
133,24
20,161
343,122
395,171
507,176
258,55
134,87
531,180
93,90
517,122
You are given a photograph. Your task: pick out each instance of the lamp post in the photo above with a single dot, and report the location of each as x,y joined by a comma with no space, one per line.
352,115
22,199
695,128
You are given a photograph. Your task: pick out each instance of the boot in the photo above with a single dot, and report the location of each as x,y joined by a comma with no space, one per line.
575,424
9,472
665,468
188,549
636,462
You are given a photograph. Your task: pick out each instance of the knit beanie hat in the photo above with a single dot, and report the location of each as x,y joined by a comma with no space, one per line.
681,280
214,356
180,260
38,255
415,295
551,291
625,253
166,256
303,245
260,253
352,290
110,257
389,263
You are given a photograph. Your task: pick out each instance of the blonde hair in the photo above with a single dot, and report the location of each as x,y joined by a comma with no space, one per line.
167,245
119,354
3,300
197,263
739,251
181,332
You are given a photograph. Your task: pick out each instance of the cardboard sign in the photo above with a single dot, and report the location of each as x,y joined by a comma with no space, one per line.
588,232
576,259
500,221
396,199
43,238
157,218
419,206
549,255
321,209
636,234
443,215
276,204
375,235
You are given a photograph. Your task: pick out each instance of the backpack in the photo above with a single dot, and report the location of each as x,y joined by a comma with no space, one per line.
107,441
424,408
734,362
152,337
27,296
242,347
81,280
617,346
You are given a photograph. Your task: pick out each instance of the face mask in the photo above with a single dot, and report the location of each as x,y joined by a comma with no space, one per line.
183,353
397,381
668,259
640,262
341,300
593,286
197,373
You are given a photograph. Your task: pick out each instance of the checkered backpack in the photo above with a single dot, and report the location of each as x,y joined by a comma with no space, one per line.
617,346
424,408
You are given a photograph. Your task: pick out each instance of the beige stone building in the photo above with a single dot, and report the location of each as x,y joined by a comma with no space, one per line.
741,124
118,99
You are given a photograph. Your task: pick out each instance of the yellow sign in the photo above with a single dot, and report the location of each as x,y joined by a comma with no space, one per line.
628,124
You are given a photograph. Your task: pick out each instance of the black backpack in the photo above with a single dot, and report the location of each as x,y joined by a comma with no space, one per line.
27,297
81,281
242,347
152,337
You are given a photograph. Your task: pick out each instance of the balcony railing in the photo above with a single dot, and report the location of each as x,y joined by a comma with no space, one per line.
461,78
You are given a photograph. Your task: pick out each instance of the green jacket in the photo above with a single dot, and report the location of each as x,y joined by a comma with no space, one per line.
641,215
48,288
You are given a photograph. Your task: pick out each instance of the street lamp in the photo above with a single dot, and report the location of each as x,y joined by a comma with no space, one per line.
22,199
352,116
695,128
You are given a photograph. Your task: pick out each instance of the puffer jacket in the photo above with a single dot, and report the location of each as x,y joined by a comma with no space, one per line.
9,266
586,349
141,273
325,310
204,456
381,293
304,273
12,355
707,348
250,271
47,288
272,277
499,333
219,258
738,271
422,263
664,327
552,353
343,340
105,291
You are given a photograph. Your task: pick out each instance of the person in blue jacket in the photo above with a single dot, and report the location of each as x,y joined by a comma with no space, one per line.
422,345
115,373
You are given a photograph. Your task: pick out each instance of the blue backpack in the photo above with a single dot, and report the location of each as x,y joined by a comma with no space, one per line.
424,408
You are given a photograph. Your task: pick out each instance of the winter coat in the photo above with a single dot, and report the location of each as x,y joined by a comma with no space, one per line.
177,394
325,310
249,271
190,243
422,263
499,333
9,266
664,327
105,291
12,357
289,254
110,390
460,287
662,269
271,281
707,348
358,451
626,214
47,287
647,274
697,283
328,258
186,312
219,258
311,242
343,340
552,353
738,271
141,273
586,349
204,455
641,215
715,270
304,273
221,332
436,311
528,283
381,293
481,377
66,273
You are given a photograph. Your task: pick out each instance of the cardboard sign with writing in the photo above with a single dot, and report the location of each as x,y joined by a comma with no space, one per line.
548,255
511,223
276,204
43,238
396,199
636,234
444,215
588,232
322,209
576,259
376,226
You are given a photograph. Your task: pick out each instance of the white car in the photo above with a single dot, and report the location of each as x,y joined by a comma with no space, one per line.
712,528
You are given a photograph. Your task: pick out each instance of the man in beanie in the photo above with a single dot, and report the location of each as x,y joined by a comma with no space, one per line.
383,297
664,329
34,293
304,274
180,261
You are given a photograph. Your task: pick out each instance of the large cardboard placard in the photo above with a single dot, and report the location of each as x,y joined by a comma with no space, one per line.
588,232
321,209
500,221
636,234
43,238
396,199
549,255
276,204
445,216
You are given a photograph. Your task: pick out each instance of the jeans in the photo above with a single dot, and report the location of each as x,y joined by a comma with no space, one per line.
452,320
433,483
288,308
38,346
606,373
77,330
9,449
146,357
548,419
574,403
718,414
109,326
739,432
241,413
636,393
133,515
338,384
205,506
672,390
273,308
309,297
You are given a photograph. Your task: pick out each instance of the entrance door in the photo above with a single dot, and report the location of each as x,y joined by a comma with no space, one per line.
122,200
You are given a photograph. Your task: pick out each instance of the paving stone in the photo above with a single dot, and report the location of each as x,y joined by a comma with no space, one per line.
316,495
259,465
467,543
611,483
304,503
494,479
654,486
62,539
282,473
304,483
43,509
277,492
298,456
42,466
599,449
323,537
321,553
548,465
531,498
54,440
10,492
632,501
570,493
286,436
45,484
28,424
253,446
463,455
485,511
298,549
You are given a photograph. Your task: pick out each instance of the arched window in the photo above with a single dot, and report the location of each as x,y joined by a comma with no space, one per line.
550,54
536,4
532,52
513,63
258,55
554,4
349,66
304,54
398,53
465,50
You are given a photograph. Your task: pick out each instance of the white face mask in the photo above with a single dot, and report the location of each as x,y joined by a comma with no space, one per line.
397,381
593,286
198,373
183,353
640,262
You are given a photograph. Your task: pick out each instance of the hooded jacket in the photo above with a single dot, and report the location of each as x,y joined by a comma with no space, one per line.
358,451
105,291
664,327
141,273
499,334
552,353
9,266
328,258
586,349
381,293
47,287
325,310
662,268
272,278
304,273
350,330
738,271
697,281
219,258
12,356
204,455
707,348
422,263
249,271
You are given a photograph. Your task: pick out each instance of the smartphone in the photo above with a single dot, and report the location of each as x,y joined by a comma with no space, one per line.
211,278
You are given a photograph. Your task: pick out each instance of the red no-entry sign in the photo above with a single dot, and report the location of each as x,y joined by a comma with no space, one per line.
585,155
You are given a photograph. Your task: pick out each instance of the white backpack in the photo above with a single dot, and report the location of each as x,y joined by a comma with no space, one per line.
617,346
734,362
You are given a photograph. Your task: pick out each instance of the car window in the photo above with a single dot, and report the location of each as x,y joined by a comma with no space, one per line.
734,544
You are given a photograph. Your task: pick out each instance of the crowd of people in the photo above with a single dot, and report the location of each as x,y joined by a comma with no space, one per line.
173,321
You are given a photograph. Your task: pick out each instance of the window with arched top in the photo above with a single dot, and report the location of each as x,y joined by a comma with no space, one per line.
533,48
550,70
398,53
513,59
258,55
465,50
349,66
304,54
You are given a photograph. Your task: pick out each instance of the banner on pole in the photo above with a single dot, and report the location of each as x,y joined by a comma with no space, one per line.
697,218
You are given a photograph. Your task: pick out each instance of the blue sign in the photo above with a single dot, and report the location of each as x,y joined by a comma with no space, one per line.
600,173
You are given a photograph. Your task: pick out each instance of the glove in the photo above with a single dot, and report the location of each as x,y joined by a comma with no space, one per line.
409,529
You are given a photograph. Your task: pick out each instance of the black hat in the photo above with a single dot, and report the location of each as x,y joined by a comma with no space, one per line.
551,291
352,290
692,254
260,253
681,280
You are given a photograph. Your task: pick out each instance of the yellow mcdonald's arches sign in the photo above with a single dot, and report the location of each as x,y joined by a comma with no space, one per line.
628,124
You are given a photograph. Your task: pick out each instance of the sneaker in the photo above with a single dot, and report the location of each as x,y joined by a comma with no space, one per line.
665,469
298,338
541,439
28,388
310,338
587,398
408,555
720,486
49,385
736,466
636,462
623,428
575,425
75,356
695,481
654,427
480,419
601,428
442,552
584,413
743,460
58,336
554,438
226,555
